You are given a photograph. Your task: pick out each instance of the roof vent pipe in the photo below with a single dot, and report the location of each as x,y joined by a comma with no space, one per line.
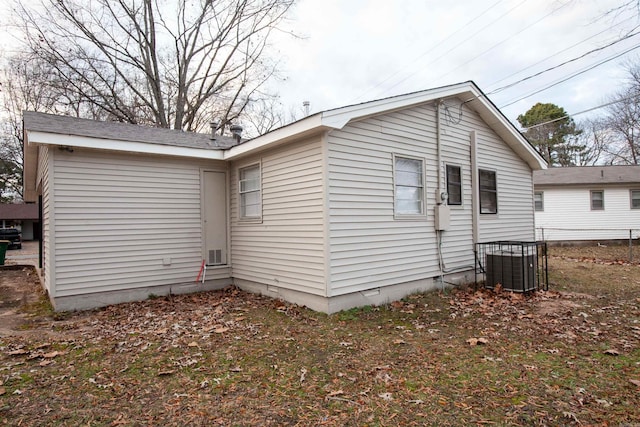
214,128
236,131
307,106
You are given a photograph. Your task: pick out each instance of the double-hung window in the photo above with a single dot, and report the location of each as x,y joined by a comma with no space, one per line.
409,186
250,192
597,200
538,199
488,192
635,199
454,185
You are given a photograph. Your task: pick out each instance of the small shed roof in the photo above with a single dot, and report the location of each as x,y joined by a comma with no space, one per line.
65,125
587,175
17,211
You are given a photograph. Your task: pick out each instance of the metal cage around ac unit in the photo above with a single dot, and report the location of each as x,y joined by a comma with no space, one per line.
514,265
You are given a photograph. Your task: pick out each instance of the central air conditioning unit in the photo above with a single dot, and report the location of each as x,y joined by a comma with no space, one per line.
515,271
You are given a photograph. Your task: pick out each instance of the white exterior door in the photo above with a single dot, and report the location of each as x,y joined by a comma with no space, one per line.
215,217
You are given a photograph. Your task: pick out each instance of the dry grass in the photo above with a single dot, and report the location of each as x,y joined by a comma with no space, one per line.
231,358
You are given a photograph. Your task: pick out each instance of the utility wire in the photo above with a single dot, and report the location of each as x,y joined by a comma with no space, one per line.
500,42
584,70
560,51
582,112
500,89
440,44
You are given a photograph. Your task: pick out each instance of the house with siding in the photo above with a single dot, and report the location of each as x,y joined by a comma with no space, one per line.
357,205
587,203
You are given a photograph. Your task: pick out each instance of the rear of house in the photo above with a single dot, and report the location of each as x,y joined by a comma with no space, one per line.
359,205
588,203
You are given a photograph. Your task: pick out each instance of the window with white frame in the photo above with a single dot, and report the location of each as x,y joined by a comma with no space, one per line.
409,186
538,199
250,192
635,199
488,192
597,200
454,185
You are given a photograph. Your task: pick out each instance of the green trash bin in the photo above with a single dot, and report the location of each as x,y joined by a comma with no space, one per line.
4,244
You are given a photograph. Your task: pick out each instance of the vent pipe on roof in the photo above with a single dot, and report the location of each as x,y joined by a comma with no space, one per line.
307,107
215,124
236,131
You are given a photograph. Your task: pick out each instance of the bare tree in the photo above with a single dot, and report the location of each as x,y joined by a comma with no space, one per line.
595,140
171,64
623,121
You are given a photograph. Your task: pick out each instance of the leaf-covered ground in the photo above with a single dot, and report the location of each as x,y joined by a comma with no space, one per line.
569,356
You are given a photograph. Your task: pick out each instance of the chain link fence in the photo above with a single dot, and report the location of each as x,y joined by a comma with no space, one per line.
629,237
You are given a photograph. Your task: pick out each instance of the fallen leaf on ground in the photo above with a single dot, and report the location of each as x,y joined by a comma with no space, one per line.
17,352
220,330
164,373
612,352
476,341
635,382
2,391
386,396
52,354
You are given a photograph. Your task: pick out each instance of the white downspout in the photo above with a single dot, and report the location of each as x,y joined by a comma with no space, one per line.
475,208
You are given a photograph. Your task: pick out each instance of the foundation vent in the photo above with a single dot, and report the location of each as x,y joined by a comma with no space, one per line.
215,257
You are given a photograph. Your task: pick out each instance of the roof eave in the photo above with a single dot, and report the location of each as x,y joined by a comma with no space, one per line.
46,138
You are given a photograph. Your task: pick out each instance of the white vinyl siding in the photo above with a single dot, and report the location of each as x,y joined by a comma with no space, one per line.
285,249
118,217
568,215
44,184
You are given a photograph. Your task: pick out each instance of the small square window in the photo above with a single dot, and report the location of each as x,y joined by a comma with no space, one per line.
635,199
488,192
454,185
250,192
597,200
538,198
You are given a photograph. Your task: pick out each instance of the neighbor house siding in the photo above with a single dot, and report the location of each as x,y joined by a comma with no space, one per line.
117,217
285,249
568,215
369,247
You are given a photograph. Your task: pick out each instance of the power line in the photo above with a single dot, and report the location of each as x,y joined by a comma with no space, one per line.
440,44
582,112
500,89
560,51
584,70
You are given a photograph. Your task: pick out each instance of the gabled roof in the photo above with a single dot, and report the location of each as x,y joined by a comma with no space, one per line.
19,211
337,118
65,125
588,175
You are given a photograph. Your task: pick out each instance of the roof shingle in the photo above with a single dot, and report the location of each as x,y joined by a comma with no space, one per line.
588,175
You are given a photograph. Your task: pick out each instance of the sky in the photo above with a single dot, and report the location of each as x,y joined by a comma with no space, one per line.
352,51
360,50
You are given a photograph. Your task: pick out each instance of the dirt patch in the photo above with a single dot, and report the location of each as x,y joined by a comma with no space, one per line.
20,289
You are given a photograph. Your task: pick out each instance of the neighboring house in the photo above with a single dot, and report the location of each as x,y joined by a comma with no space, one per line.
587,203
339,209
23,216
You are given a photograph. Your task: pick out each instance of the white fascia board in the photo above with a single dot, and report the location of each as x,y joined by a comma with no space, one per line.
46,138
338,118
514,138
278,136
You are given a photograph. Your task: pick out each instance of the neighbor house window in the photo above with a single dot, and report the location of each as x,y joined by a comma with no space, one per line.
538,199
597,200
454,185
635,199
250,194
488,192
409,186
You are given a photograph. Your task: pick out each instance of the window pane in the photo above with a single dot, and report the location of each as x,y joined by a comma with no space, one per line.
539,200
597,200
488,192
454,185
408,186
635,199
250,194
